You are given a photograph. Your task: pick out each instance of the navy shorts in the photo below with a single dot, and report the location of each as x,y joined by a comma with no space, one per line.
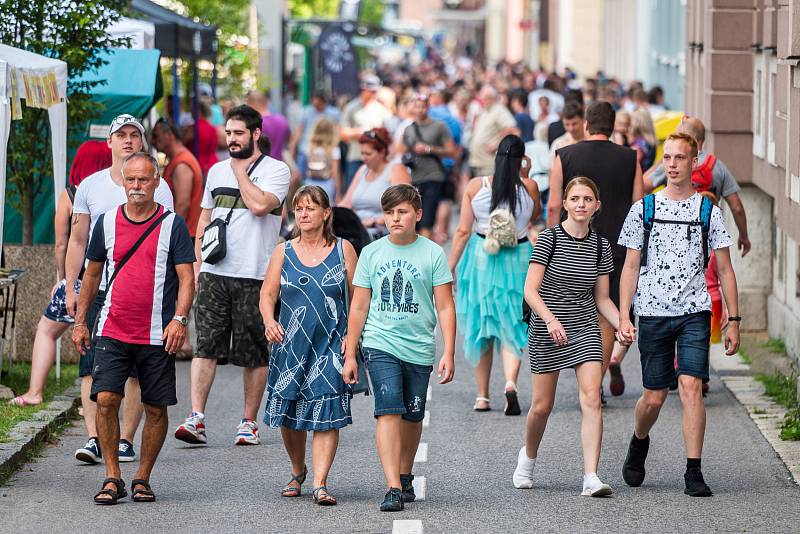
56,309
87,360
400,388
660,337
116,360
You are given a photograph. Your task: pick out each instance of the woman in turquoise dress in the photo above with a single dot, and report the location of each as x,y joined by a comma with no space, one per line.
490,279
305,390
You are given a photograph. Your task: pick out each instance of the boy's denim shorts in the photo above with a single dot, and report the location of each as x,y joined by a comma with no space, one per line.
660,337
400,388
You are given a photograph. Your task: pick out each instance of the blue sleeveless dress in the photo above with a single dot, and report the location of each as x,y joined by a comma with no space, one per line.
305,390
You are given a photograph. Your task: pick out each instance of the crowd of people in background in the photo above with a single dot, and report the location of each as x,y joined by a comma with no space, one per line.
527,158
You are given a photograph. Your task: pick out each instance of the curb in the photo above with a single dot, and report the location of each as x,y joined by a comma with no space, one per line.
27,436
765,413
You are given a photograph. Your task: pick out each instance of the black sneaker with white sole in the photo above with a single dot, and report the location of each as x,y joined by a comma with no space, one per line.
90,453
125,451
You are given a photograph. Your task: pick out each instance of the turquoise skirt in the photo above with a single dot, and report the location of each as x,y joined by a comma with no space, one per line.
489,293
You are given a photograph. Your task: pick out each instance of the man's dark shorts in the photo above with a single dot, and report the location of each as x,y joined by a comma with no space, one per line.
400,388
87,360
114,361
228,321
659,337
431,193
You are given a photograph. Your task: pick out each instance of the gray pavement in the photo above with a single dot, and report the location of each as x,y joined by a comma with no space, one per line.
222,488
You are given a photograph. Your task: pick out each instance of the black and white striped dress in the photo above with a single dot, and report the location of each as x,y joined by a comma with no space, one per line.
568,290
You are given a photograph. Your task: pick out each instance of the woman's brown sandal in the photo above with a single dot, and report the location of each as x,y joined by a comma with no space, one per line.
141,491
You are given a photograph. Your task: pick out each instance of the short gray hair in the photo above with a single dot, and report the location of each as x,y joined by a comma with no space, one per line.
141,155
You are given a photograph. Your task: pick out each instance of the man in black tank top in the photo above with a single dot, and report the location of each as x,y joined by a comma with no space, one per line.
618,177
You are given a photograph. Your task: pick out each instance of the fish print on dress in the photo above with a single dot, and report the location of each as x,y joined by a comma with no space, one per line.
305,389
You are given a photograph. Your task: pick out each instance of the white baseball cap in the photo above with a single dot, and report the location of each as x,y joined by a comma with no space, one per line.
125,120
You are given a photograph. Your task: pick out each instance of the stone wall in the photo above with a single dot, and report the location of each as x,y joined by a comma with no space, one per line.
33,294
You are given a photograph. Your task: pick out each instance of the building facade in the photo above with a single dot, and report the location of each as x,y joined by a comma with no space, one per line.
743,81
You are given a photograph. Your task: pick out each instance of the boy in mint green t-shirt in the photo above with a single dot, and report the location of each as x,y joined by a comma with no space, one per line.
401,282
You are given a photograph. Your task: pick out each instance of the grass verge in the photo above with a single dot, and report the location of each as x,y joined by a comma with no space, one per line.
783,390
17,380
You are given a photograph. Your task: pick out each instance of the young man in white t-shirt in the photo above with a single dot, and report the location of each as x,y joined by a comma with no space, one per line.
97,194
250,187
674,307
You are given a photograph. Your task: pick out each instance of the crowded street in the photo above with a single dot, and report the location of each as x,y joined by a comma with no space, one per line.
399,266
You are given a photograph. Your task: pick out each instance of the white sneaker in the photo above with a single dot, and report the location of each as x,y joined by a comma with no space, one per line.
247,433
193,430
523,474
594,487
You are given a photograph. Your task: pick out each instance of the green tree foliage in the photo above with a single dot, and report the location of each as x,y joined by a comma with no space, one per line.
232,19
306,9
370,12
73,31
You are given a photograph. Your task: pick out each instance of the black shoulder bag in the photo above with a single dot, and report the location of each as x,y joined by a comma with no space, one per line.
213,244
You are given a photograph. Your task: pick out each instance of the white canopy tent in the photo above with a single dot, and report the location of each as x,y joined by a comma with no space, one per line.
141,32
42,82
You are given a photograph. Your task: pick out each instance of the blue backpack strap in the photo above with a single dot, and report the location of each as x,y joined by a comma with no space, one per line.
706,207
648,214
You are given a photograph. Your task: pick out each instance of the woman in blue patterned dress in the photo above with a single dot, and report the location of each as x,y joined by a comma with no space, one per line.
305,389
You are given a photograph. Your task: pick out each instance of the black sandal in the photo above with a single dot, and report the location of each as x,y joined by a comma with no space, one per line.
115,494
142,495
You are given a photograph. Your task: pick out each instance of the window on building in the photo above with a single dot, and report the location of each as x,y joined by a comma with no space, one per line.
758,106
770,122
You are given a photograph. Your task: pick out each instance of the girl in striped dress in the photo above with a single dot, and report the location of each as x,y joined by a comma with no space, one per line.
567,284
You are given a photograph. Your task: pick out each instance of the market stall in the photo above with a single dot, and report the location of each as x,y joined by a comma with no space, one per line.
42,83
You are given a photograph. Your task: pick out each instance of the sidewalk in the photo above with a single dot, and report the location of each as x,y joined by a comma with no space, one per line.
27,436
765,413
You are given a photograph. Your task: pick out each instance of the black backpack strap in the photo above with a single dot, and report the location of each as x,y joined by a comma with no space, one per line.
599,250
706,207
648,214
71,189
553,248
118,267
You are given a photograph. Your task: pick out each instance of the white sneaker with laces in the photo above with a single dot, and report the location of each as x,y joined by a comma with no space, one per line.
247,433
193,430
523,474
594,487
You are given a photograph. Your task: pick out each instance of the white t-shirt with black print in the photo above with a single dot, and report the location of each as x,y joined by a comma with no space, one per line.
673,283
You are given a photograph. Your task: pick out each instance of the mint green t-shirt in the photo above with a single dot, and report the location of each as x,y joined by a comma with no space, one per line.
402,315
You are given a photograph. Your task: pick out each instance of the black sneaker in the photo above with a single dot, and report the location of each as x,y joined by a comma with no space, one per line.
407,488
393,501
603,401
695,485
633,468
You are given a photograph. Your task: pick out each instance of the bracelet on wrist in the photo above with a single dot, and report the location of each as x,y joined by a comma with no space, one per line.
79,324
550,321
735,319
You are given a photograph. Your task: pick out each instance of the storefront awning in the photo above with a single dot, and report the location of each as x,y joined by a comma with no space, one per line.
176,35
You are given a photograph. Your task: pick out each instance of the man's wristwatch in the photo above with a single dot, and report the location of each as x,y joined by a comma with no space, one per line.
181,319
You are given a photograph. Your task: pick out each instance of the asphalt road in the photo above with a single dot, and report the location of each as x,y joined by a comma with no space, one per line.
470,459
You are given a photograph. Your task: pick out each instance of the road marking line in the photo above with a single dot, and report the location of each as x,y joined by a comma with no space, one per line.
426,421
422,453
428,394
407,526
419,488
